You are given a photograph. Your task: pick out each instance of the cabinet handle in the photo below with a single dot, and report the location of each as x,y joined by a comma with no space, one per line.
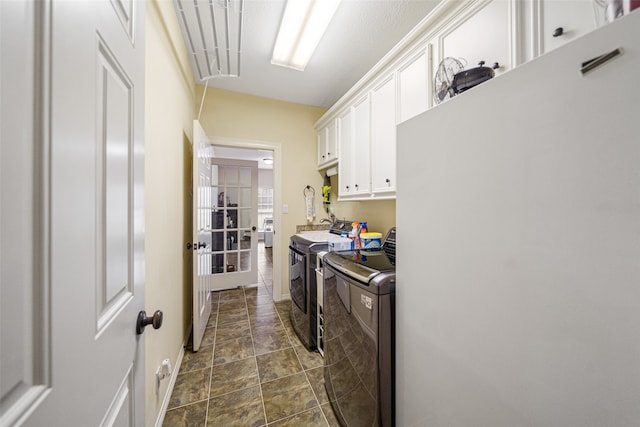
558,32
356,186
347,188
387,180
328,154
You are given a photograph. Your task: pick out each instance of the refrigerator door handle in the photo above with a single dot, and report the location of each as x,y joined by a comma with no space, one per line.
594,63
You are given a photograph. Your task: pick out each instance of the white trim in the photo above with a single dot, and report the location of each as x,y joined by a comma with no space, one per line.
276,147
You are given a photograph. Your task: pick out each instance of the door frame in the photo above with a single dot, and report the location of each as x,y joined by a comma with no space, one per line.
276,147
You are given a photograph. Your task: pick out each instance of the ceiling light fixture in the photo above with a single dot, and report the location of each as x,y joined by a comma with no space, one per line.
267,161
303,25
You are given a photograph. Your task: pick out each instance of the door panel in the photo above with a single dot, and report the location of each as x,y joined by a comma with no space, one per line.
81,285
203,202
234,251
25,326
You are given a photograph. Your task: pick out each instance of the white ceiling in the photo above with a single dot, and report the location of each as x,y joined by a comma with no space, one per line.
360,34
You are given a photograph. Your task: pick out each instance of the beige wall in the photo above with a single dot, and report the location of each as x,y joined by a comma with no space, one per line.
169,113
244,117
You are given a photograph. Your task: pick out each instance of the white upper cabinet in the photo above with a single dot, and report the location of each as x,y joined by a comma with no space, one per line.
345,166
564,20
361,160
328,145
413,85
359,131
480,33
383,136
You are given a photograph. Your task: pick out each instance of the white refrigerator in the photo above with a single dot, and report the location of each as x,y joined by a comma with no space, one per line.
518,266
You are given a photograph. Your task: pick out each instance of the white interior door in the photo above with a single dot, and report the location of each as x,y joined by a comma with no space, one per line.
202,225
234,250
72,213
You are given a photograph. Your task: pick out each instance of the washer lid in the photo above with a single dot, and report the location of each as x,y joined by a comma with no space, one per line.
361,265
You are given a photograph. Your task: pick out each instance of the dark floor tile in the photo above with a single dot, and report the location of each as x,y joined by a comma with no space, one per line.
329,415
190,387
213,319
283,306
260,310
255,291
231,350
232,331
257,331
268,319
256,300
187,416
209,337
232,304
232,316
287,396
309,358
234,376
231,294
293,336
278,364
311,418
239,408
271,341
198,360
316,379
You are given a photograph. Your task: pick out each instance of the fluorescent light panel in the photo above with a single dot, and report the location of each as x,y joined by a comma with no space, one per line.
303,25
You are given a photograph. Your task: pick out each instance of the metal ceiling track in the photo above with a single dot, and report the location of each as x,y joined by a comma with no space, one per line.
212,33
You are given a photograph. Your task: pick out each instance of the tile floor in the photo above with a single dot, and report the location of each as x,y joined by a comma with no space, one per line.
251,369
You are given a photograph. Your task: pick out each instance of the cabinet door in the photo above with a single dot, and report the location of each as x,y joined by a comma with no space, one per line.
383,136
361,147
345,163
328,145
332,142
322,145
479,35
570,18
413,85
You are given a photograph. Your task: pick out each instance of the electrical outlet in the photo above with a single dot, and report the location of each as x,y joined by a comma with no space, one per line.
164,370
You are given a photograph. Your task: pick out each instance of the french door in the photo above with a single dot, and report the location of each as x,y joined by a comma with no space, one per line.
234,248
225,213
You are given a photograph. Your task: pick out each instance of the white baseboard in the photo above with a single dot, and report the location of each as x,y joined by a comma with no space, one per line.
172,382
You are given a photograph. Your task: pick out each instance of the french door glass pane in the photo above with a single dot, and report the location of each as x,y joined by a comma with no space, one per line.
245,261
231,175
245,198
232,261
232,196
245,177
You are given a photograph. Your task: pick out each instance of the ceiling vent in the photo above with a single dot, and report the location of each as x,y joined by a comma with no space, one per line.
212,33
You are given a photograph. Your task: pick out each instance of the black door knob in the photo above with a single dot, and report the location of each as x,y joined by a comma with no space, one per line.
253,228
143,321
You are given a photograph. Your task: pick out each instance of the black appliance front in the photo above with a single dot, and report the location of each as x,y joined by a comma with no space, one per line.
359,366
302,287
297,280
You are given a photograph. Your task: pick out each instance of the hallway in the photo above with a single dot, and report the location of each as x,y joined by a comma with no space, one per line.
252,369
